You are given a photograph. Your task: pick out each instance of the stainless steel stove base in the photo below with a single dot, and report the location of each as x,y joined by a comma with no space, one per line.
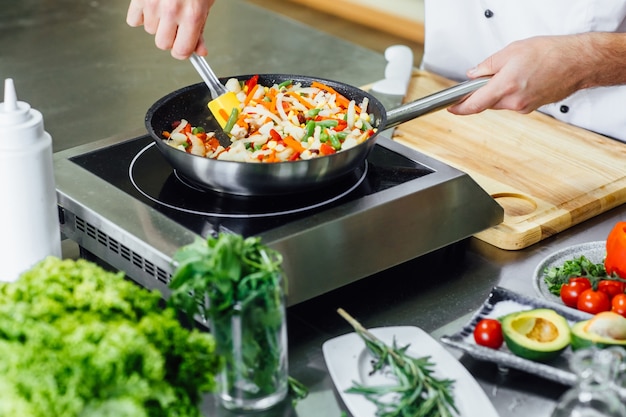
322,252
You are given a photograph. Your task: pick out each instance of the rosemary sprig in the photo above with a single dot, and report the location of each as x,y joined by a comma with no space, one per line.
417,393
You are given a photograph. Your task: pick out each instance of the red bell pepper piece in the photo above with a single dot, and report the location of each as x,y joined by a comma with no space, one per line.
326,149
341,125
252,82
275,135
615,261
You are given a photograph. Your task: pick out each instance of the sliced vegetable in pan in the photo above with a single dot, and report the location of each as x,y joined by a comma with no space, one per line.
279,123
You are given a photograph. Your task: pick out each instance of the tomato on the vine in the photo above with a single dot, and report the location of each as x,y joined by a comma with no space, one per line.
571,291
611,287
593,302
618,304
488,332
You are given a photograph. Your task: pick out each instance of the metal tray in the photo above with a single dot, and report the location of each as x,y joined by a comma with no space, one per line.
502,301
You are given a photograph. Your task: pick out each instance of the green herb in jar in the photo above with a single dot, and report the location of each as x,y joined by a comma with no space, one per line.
236,284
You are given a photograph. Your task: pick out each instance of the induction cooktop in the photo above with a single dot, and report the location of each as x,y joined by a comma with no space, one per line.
121,201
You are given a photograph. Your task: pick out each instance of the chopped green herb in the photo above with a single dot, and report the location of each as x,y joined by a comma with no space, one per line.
556,276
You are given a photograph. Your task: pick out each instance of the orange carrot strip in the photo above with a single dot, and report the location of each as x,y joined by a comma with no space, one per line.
293,144
241,120
242,123
272,104
329,89
269,158
251,94
267,104
322,86
300,99
340,99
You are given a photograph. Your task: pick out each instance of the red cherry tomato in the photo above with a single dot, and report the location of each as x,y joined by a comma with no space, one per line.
582,280
611,287
593,302
618,304
572,290
488,332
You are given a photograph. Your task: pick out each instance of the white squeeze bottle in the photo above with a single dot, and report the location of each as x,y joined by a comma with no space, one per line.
29,220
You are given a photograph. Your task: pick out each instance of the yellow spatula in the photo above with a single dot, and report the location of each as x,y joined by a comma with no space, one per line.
223,101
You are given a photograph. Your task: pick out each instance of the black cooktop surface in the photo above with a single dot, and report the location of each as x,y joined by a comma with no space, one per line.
137,167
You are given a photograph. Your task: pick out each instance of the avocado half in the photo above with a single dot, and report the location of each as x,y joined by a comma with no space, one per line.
602,330
539,335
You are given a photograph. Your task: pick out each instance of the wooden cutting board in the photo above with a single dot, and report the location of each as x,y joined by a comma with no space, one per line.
546,174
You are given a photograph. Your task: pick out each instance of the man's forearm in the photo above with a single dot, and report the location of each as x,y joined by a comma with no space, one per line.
605,57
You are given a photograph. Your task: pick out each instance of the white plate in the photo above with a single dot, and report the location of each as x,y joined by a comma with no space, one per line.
594,251
348,361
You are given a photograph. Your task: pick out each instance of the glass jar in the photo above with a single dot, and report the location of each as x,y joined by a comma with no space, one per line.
252,338
595,393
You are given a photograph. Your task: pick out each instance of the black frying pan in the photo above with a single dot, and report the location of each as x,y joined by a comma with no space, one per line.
245,178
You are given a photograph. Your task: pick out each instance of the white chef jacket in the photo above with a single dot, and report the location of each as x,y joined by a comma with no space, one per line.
459,34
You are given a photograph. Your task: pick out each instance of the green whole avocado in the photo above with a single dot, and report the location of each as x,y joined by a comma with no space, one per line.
539,334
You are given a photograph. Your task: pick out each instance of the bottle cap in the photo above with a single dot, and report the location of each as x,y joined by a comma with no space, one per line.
18,120
12,111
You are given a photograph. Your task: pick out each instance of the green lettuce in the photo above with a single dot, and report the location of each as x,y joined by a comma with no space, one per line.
77,340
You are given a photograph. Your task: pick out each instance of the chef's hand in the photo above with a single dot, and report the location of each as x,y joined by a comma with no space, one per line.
176,24
530,73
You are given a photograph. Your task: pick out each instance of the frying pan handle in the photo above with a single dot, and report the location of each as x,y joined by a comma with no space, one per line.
433,102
